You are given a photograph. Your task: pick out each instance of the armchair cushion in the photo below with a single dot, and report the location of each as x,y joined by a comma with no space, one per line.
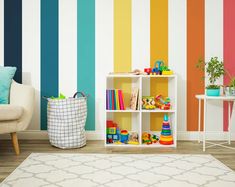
6,76
10,112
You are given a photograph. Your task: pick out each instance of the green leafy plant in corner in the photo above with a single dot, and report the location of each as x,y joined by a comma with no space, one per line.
214,69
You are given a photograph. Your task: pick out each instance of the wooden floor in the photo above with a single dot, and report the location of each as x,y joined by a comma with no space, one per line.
9,161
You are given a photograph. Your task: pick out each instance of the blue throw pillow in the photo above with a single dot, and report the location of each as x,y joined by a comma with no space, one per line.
6,76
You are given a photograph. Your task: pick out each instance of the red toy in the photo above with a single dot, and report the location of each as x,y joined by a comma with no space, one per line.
148,70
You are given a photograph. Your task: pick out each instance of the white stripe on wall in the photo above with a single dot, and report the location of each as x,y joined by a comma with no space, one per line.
141,45
31,52
214,47
104,55
177,15
68,47
1,32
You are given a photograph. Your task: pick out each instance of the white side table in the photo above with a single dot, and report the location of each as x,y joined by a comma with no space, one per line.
230,99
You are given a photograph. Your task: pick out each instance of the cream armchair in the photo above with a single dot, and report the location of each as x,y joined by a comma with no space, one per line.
16,116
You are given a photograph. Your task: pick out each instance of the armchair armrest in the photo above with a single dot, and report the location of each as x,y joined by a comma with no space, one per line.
23,95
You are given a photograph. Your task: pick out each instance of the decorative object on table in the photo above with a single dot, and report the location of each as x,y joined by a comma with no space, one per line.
70,114
124,136
134,72
113,132
214,69
163,103
133,138
166,137
114,100
229,90
148,103
134,99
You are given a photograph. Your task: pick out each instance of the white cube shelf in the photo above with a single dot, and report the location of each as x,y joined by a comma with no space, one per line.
140,115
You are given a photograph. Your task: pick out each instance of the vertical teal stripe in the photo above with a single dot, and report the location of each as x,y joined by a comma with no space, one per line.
86,55
49,54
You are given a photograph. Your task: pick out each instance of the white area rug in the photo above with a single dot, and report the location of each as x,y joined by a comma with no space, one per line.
109,170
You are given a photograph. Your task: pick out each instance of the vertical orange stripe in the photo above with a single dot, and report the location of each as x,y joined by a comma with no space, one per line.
195,51
158,51
122,56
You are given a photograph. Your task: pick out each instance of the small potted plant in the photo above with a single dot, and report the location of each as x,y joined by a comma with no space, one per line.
230,90
214,69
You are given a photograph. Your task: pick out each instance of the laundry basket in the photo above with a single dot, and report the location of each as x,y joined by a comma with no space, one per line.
66,120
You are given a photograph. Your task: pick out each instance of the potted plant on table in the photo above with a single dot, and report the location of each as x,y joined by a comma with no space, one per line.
230,90
214,69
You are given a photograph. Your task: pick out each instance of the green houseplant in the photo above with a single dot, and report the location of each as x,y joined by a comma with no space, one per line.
230,89
214,70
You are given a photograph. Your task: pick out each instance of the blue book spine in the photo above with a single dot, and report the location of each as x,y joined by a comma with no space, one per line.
110,100
115,107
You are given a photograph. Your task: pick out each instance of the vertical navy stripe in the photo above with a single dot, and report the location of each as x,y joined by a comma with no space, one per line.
13,36
86,55
49,54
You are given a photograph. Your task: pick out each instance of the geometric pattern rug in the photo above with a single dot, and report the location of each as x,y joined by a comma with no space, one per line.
114,170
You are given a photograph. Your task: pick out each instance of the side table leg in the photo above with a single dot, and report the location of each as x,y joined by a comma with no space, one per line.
229,122
204,126
199,119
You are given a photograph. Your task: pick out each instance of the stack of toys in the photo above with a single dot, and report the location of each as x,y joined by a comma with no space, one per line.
166,137
158,69
163,103
149,138
113,132
117,136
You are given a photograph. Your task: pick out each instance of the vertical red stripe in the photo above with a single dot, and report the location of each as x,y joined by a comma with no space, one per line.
229,47
195,51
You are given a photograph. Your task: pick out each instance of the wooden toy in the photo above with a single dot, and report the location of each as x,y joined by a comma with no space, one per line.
163,103
146,138
148,70
133,138
148,103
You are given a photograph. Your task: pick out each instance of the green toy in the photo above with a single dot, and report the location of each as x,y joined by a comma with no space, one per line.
61,96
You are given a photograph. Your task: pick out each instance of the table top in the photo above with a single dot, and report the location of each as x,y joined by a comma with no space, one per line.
222,97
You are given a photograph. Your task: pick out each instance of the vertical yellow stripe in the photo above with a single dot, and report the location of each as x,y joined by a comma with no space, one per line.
122,55
158,51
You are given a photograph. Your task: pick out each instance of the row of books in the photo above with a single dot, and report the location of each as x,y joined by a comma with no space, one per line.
114,100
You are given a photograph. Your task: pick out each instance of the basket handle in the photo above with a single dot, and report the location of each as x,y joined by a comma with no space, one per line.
83,95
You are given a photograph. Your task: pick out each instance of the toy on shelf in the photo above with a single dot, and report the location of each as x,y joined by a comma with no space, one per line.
133,138
113,132
149,138
124,136
148,103
158,69
166,137
163,103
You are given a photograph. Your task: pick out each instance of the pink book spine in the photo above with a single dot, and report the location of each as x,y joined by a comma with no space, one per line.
120,99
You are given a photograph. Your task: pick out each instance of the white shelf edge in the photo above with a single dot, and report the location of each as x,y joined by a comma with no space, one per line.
139,76
158,111
124,111
140,145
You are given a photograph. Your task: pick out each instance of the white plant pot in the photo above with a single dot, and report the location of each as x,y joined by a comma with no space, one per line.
229,91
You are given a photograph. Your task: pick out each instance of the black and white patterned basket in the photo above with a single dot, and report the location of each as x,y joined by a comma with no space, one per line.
66,120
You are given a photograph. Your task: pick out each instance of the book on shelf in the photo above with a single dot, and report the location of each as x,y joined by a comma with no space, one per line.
114,100
134,99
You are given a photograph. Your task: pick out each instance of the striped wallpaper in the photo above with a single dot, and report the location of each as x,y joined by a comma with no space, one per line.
69,45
